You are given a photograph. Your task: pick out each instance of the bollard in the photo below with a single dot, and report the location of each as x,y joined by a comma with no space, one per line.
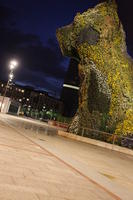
114,137
82,132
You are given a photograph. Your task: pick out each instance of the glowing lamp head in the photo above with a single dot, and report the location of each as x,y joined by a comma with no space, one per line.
14,63
12,66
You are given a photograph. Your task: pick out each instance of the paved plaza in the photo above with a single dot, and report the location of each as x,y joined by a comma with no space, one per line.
37,165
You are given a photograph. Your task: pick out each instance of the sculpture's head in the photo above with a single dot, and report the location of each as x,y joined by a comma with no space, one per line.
93,27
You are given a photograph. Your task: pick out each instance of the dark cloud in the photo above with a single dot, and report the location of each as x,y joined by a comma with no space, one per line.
52,84
39,65
41,58
25,26
6,15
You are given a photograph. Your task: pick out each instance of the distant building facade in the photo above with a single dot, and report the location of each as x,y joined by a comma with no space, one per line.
9,106
4,104
28,96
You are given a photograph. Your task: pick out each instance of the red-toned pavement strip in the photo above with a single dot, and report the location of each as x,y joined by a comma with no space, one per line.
27,175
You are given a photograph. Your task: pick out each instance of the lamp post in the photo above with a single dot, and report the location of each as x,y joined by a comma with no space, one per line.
12,66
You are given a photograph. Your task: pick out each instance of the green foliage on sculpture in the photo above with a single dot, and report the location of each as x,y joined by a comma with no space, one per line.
97,39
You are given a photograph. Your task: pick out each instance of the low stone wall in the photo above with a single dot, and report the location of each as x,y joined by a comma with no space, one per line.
61,125
95,142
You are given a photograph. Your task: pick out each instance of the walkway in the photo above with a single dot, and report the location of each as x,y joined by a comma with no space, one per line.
41,167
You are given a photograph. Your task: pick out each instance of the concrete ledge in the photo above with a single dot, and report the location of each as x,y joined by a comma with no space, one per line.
95,142
57,124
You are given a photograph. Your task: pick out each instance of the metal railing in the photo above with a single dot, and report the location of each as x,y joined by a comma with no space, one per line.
107,137
40,127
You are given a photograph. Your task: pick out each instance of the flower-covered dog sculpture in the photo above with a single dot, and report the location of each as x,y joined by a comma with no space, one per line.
96,38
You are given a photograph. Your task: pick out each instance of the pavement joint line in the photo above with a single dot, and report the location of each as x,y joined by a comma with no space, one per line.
13,147
116,197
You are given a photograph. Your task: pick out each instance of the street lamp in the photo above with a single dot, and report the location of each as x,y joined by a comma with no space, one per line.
12,66
11,76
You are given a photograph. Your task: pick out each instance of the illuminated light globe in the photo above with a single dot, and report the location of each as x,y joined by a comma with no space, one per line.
14,63
12,66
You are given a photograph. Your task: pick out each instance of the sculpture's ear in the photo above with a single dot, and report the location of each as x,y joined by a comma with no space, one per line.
112,3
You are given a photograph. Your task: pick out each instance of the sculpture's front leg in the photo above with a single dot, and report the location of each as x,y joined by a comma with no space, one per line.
82,117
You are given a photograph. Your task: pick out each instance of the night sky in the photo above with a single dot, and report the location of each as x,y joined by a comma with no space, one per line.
27,33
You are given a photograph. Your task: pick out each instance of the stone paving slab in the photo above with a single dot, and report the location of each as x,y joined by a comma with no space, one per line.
35,174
